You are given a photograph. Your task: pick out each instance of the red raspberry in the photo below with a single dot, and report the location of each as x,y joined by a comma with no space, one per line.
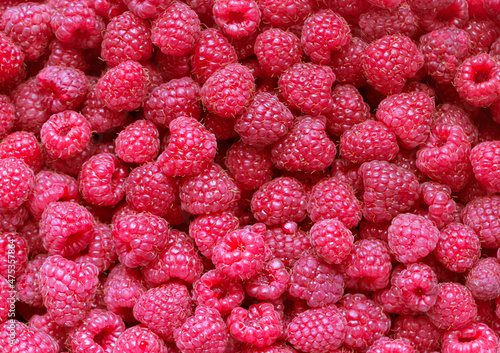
372,230
63,55
101,250
478,80
164,309
483,279
147,8
218,291
482,33
455,14
30,231
138,143
28,284
13,248
139,338
102,180
346,63
270,283
228,91
122,289
422,6
328,333
98,331
412,237
240,254
77,25
213,190
416,286
24,146
259,326
67,289
472,338
176,30
308,87
190,148
8,111
423,335
139,238
222,128
46,324
447,113
210,53
277,51
278,201
265,121
31,113
484,157
389,61
385,344
366,321
12,59
331,240
17,182
127,37
286,13
123,87
313,280
205,331
436,203
287,243
108,8
26,339
445,156
237,19
455,307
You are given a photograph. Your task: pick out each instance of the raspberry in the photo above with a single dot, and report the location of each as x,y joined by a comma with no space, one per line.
367,266
417,287
279,200
385,344
365,321
423,335
217,291
324,32
450,114
27,284
270,283
237,19
164,309
445,156
77,25
286,13
127,37
455,307
412,237
453,15
205,331
277,50
317,282
147,8
139,238
389,61
123,87
213,190
222,128
470,339
99,330
31,113
102,180
287,243
441,208
259,326
171,100
482,33
138,143
8,111
331,240
139,338
67,289
422,6
12,59
210,53
17,183
484,157
24,146
13,248
66,56
346,63
101,249
176,30
108,8
26,339
372,230
227,92
190,148
483,279
308,87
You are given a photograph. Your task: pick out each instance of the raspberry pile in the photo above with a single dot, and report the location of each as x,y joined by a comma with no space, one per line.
249,176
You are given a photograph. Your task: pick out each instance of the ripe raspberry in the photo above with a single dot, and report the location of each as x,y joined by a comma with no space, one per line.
108,8
217,291
139,338
28,284
389,61
482,33
123,87
313,280
237,19
139,238
484,157
213,190
222,128
211,53
176,30
77,25
12,59
46,324
228,91
308,87
478,80
147,8
98,331
445,156
17,182
458,248
31,113
447,113
372,230
331,240
423,335
365,321
259,326
102,180
483,279
270,283
205,331
138,143
24,146
346,62
284,14
164,309
127,37
455,14
190,148
476,336
455,307
385,344
416,286
101,250
62,55
26,339
287,242
13,248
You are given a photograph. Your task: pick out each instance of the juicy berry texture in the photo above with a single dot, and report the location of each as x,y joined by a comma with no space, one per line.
138,143
458,247
470,338
237,19
483,279
331,240
139,338
27,339
481,215
17,183
483,158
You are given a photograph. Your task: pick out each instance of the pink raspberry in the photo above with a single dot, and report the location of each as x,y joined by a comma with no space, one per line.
308,87
139,238
12,60
422,6
416,286
437,204
331,240
139,338
190,148
127,37
315,281
324,32
328,333
147,8
372,230
385,344
396,52
244,47
454,14
31,113
13,248
205,331
27,339
17,183
483,158
101,250
237,19
286,13
138,143
28,284
5,294
287,242
46,324
476,336
270,283
259,326
24,146
447,113
483,279
8,111
164,309
481,214
61,54
108,8
346,63
102,180
423,335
